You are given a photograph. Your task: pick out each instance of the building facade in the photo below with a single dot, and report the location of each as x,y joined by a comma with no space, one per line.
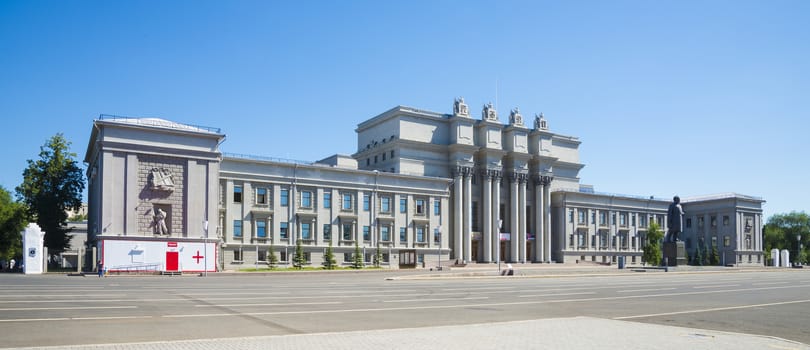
423,188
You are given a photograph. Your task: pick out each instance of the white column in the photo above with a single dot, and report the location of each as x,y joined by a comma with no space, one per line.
539,223
547,220
467,217
458,219
496,217
522,219
487,238
514,203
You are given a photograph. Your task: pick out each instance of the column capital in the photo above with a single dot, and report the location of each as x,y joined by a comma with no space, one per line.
542,180
518,177
459,170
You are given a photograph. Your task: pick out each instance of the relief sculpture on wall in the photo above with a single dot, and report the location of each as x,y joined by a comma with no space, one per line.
161,179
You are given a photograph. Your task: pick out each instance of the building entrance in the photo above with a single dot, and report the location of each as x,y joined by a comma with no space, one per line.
474,252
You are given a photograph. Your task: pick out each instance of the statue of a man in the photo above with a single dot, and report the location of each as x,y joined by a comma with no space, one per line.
674,220
160,222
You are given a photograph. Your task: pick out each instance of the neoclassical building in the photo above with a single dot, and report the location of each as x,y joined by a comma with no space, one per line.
423,189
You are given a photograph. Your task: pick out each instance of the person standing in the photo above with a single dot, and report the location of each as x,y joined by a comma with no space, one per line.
100,269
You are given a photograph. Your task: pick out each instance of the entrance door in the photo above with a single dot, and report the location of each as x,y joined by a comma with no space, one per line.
474,252
172,259
529,251
505,256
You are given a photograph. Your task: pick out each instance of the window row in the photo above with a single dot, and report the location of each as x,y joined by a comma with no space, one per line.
347,231
625,219
347,201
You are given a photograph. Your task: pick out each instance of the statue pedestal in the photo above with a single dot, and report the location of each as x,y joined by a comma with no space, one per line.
674,254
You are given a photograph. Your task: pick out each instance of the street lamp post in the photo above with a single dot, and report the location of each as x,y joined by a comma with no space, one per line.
439,246
798,248
205,248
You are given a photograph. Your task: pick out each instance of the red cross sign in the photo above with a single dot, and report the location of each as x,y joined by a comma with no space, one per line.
198,257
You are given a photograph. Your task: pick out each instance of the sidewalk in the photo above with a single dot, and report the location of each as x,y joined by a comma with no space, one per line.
562,333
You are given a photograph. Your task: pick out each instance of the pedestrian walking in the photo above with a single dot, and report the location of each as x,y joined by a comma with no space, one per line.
100,269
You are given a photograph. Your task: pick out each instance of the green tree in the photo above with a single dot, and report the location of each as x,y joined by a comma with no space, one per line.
698,257
329,261
782,231
51,186
377,256
357,257
706,259
652,247
299,259
272,258
13,218
714,256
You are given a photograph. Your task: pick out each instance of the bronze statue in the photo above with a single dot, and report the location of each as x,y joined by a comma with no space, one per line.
674,220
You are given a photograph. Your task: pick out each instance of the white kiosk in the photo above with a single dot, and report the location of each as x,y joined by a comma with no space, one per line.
33,249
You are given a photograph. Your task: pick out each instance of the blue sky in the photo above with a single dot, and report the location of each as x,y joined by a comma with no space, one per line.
667,97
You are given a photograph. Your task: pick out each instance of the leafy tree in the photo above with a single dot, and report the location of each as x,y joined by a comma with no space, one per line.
299,259
12,221
329,261
51,186
377,256
698,257
357,257
781,231
714,256
706,259
272,258
652,247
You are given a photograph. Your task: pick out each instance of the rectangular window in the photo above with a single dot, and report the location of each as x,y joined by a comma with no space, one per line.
347,201
261,229
581,216
347,257
237,194
385,234
403,234
237,228
700,222
383,157
285,197
261,196
308,257
714,221
392,154
327,200
327,232
602,218
420,258
282,256
474,217
366,202
306,199
262,255
283,230
403,205
725,220
347,232
420,207
437,207
688,223
437,235
726,241
306,232
385,204
420,235
642,220
237,255
623,219
367,258
366,233
633,217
